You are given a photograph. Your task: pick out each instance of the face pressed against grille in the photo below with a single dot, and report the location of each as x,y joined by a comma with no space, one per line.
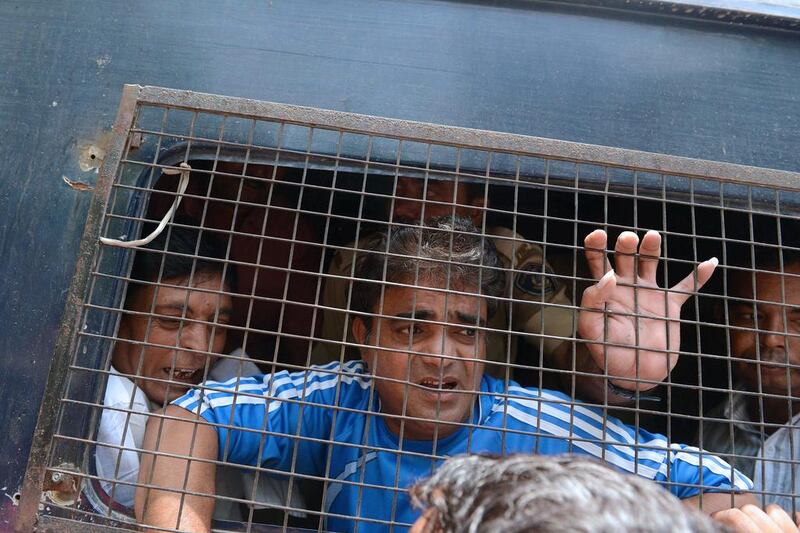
277,260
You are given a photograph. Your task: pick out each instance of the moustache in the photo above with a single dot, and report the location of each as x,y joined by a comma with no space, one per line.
770,355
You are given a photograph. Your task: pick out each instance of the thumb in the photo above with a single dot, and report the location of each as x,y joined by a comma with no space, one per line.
595,296
695,280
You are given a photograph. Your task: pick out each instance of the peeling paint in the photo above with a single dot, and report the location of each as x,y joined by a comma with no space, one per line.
77,185
103,60
91,154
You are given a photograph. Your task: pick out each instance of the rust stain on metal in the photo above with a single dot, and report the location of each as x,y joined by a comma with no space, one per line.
35,475
135,140
77,185
91,154
62,486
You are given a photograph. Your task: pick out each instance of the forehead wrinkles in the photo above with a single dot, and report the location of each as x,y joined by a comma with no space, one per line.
436,283
426,304
177,290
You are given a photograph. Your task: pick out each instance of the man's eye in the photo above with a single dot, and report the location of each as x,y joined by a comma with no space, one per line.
469,332
411,329
168,322
745,317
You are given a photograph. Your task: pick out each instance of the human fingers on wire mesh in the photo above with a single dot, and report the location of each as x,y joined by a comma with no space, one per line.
751,519
630,322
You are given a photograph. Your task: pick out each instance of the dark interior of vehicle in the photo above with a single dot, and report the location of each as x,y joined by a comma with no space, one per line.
304,214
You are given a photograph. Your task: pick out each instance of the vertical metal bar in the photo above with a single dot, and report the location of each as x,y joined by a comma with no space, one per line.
665,282
34,474
693,214
785,312
109,354
726,323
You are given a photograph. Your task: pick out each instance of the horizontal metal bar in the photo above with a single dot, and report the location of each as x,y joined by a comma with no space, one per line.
470,138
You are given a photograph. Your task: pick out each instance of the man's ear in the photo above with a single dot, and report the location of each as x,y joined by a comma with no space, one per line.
360,331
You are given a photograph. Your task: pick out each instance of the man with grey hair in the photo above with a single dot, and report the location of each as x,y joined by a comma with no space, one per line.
548,494
535,307
372,428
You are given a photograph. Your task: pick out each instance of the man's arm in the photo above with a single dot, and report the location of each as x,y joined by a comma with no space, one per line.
591,385
711,502
187,438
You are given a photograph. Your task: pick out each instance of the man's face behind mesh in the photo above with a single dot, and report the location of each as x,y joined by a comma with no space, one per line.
176,332
428,358
763,355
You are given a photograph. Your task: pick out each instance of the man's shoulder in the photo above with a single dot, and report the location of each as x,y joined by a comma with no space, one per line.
502,391
121,391
529,409
285,384
347,384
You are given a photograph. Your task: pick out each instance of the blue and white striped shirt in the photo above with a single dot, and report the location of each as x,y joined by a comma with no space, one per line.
288,421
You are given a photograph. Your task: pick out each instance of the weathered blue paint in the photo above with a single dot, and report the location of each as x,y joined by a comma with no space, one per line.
672,85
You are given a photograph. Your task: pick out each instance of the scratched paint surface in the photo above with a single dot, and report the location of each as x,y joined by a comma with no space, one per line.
695,89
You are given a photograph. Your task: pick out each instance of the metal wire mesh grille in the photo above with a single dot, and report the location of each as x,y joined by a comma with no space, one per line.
288,198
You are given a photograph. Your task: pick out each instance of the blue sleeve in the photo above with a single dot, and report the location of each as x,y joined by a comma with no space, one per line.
275,420
587,430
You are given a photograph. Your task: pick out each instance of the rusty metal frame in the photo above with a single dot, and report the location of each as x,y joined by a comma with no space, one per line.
133,96
36,470
472,138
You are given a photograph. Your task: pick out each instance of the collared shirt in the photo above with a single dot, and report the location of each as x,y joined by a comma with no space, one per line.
325,422
122,423
119,441
734,435
770,460
776,469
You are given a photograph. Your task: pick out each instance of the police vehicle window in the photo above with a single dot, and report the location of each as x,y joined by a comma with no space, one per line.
295,315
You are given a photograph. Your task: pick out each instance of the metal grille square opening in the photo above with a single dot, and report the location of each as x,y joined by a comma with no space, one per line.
347,300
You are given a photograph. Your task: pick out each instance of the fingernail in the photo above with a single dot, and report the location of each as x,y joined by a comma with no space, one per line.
714,260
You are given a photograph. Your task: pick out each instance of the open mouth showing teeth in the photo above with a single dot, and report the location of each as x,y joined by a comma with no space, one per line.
185,375
437,384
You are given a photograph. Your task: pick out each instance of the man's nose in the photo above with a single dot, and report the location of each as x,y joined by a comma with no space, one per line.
195,336
772,331
436,346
